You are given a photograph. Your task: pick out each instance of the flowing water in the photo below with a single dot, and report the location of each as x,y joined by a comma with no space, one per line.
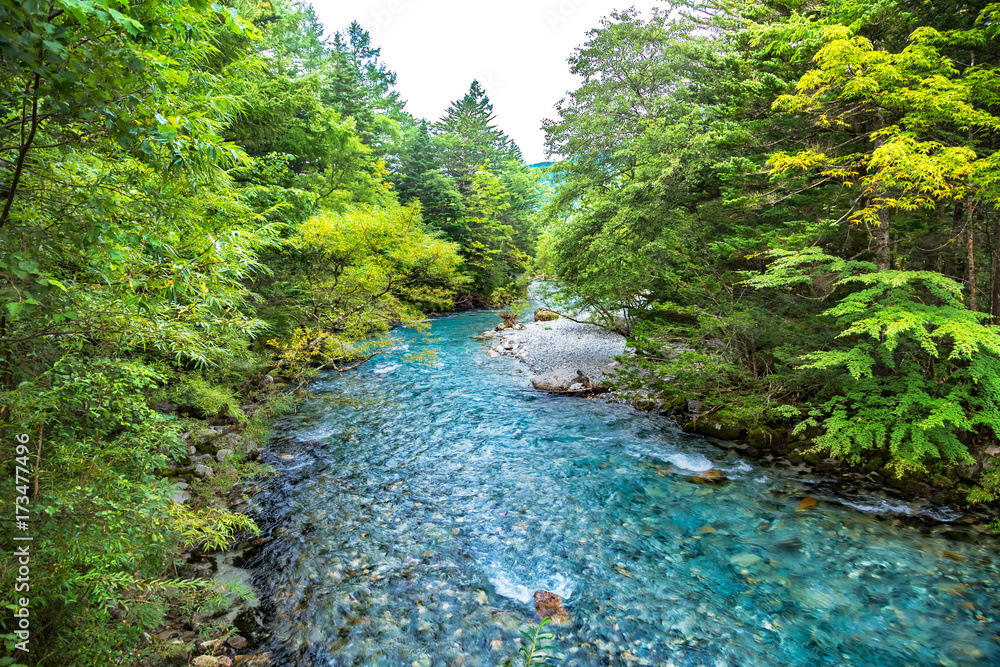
420,506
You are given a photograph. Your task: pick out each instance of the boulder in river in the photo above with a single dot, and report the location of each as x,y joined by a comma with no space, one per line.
709,477
550,605
560,379
714,428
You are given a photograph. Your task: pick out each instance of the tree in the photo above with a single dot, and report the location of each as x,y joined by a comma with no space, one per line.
356,274
469,138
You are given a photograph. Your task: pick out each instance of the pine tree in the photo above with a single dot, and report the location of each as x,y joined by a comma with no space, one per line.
420,177
470,139
343,90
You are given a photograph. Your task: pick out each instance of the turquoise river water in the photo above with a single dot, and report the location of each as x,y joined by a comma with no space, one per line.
420,506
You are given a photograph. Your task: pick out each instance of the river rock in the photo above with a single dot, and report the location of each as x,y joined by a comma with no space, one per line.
764,437
545,315
223,454
716,428
745,560
550,605
559,380
708,477
211,661
231,441
181,497
202,439
237,642
258,660
203,471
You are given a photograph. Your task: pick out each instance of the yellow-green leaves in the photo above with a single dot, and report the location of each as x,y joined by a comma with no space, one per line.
357,273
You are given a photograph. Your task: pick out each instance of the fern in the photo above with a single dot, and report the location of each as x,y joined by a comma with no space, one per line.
915,368
536,652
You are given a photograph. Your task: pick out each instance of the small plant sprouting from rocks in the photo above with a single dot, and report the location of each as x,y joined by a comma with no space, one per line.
536,653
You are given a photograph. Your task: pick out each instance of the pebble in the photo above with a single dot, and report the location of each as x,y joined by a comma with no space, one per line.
745,560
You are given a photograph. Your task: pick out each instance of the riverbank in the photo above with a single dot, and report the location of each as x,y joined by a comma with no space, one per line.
566,344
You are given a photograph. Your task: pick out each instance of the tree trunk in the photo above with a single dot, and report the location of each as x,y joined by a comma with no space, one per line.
883,241
995,301
970,249
883,235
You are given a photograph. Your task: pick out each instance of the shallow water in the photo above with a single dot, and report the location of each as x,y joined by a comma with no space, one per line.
412,527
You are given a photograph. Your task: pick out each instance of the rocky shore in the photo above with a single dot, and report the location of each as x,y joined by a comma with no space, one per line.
221,457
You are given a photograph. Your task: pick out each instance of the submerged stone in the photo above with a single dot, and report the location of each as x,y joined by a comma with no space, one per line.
550,605
745,560
708,477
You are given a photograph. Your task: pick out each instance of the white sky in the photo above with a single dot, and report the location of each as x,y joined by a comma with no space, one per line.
517,49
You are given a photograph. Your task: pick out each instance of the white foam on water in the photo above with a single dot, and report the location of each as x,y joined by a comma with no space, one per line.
509,585
896,507
383,369
692,462
876,505
941,513
740,467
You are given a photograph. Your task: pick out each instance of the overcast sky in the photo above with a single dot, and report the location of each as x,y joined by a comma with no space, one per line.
517,49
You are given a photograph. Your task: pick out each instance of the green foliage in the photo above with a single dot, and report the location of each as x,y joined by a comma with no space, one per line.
921,370
535,651
355,274
208,397
210,529
486,236
468,138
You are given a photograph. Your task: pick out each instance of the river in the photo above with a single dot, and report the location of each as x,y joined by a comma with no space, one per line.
420,505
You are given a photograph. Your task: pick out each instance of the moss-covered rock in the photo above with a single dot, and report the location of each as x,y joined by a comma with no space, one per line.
763,437
718,428
545,315
646,404
675,405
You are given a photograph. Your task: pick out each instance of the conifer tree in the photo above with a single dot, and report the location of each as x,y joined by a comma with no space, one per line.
469,138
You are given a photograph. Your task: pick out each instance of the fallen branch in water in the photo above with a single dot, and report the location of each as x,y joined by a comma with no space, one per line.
571,392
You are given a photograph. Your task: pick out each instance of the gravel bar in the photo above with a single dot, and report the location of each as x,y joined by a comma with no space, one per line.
562,343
